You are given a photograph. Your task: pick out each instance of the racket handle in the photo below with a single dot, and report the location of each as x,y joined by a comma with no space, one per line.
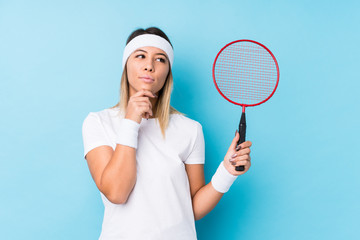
242,132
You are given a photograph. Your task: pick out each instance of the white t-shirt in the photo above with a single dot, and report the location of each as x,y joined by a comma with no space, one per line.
160,205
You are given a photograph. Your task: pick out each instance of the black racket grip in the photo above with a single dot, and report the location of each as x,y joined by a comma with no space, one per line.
242,132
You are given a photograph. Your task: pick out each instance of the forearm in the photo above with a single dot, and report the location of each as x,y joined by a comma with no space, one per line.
119,176
209,195
205,200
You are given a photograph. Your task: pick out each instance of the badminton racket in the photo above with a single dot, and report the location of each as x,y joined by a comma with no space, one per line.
245,73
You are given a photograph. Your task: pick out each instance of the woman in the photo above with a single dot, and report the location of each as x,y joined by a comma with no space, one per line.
146,158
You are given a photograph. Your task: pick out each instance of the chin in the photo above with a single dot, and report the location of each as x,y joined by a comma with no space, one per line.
146,87
141,87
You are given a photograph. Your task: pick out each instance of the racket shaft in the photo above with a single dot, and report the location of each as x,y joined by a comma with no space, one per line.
242,132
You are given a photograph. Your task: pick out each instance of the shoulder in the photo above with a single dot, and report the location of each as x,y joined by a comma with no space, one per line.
186,123
104,115
180,118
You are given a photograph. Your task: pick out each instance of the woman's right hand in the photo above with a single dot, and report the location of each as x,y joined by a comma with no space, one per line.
139,105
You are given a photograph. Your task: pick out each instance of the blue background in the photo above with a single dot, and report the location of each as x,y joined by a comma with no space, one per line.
59,60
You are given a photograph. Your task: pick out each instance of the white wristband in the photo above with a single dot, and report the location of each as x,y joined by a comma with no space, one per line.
128,133
222,179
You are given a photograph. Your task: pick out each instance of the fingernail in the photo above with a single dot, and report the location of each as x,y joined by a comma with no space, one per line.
238,148
233,163
155,95
235,132
234,155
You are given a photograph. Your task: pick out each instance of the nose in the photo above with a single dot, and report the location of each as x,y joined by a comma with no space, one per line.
149,66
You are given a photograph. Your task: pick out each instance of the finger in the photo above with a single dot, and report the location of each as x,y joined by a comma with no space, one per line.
142,99
240,163
143,108
143,104
146,115
144,92
147,109
234,161
235,140
240,158
245,144
245,151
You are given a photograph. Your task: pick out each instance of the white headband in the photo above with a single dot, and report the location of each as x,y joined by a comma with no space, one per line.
148,40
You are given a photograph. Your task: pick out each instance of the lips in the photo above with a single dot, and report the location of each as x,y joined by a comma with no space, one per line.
147,79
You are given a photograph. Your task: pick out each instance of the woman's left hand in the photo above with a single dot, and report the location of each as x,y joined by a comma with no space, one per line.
238,156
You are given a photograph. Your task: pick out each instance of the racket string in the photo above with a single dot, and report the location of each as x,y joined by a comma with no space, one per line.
246,73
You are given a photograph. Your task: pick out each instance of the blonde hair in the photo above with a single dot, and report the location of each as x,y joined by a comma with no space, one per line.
162,108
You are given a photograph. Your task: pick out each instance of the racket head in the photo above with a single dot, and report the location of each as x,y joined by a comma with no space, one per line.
246,73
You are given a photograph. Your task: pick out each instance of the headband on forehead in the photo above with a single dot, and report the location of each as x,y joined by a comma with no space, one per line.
148,40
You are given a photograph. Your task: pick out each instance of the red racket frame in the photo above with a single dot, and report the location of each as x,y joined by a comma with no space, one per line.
246,105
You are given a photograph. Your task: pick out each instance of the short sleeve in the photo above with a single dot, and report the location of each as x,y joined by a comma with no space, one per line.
197,154
93,133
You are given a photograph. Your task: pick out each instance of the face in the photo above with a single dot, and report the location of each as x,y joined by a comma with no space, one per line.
147,68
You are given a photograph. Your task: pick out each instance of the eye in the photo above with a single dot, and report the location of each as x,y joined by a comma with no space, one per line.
160,59
140,56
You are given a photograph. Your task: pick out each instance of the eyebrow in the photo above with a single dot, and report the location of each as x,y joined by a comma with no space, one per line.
147,52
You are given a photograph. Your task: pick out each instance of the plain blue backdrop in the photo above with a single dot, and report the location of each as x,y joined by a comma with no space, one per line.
59,60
